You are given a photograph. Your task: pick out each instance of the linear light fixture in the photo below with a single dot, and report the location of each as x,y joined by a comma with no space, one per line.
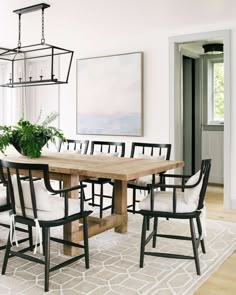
36,64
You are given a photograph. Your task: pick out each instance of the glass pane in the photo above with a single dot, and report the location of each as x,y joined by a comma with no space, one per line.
219,107
218,99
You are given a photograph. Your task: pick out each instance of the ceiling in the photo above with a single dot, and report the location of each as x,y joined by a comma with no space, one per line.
196,47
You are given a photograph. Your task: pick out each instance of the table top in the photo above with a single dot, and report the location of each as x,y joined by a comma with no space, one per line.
98,166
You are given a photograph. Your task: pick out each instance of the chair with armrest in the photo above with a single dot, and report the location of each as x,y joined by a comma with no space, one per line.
32,205
152,151
104,148
74,146
188,204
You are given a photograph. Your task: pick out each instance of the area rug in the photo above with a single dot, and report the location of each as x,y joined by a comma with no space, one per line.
114,264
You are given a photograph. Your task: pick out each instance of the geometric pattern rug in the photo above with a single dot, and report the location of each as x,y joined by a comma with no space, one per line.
114,264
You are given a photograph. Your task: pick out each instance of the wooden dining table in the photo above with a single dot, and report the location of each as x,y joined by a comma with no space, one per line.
72,168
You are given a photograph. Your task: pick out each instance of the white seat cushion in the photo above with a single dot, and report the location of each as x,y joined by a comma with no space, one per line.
41,194
106,154
145,180
191,195
55,209
64,151
49,207
3,196
148,157
163,201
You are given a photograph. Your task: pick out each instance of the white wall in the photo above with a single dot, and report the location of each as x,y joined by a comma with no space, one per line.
102,27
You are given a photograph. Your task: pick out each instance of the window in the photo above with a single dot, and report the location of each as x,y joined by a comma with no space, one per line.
216,92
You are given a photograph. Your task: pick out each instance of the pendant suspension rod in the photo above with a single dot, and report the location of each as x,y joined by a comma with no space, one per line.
43,39
30,9
19,36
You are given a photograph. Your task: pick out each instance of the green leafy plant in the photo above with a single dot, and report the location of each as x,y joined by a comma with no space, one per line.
28,138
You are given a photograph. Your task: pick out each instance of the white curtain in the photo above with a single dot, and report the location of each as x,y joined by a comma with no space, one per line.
12,102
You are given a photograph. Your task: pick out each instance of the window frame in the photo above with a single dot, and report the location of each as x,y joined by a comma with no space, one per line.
211,91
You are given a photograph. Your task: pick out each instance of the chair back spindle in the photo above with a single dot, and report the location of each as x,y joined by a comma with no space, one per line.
74,145
150,149
107,147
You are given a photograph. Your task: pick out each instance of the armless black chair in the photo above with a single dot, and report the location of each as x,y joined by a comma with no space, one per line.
107,148
32,205
188,204
152,151
74,145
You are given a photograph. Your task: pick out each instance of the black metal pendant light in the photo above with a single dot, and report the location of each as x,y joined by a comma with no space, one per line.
213,48
37,64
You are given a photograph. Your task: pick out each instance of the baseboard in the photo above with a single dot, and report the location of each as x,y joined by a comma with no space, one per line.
216,184
216,179
233,203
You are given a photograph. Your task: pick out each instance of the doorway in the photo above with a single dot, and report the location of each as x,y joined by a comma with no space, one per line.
176,119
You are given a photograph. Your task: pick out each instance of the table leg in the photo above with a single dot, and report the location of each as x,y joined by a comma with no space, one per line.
120,204
71,230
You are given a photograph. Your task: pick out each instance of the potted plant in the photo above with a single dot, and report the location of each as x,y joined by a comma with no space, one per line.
29,139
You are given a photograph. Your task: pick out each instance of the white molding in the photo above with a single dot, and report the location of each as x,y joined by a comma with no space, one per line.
175,98
189,53
233,203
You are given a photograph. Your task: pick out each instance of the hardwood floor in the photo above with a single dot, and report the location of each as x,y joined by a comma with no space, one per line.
223,281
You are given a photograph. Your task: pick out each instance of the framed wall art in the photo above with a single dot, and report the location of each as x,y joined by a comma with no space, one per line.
109,93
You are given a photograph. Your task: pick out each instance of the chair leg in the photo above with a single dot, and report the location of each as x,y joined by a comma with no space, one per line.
154,239
163,181
143,240
30,237
112,202
148,222
195,249
6,256
60,187
93,194
47,257
199,226
101,200
44,240
86,245
134,200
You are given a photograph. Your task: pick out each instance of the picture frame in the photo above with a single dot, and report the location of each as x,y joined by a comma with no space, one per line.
109,95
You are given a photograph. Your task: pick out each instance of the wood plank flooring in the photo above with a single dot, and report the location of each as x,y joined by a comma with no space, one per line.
223,281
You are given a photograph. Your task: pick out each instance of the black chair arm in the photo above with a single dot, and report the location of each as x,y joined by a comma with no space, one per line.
184,186
65,190
176,175
27,177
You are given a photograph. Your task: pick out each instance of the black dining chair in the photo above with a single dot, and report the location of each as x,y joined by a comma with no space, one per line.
32,205
74,145
187,204
104,148
150,151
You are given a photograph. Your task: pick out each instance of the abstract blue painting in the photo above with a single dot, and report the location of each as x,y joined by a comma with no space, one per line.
110,95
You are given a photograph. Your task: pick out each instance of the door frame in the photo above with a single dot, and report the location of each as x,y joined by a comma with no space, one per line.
175,92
